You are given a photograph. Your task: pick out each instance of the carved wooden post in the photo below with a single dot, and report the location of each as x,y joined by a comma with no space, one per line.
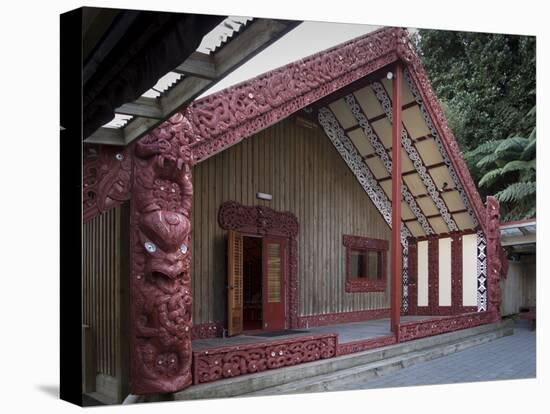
494,265
160,282
396,263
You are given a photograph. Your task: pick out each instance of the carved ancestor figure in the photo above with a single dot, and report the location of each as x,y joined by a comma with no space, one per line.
106,178
494,257
161,283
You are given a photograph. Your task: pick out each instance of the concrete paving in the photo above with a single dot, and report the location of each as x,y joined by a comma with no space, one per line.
510,357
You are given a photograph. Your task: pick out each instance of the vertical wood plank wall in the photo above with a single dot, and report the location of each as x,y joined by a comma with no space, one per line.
105,292
519,287
306,176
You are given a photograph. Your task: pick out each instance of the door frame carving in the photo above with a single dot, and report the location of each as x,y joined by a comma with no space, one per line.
264,221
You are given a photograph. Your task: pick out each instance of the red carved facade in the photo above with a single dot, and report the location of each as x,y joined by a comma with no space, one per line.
364,244
207,330
225,118
160,282
415,330
265,221
365,344
232,361
155,175
106,178
433,307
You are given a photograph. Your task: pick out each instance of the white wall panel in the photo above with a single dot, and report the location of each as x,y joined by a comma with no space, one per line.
445,272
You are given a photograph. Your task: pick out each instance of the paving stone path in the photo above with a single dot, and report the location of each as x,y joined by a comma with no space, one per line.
510,357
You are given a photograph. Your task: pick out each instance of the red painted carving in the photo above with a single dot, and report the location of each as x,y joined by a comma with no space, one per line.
160,261
207,330
224,118
364,284
342,317
106,178
494,264
232,361
365,344
415,330
268,222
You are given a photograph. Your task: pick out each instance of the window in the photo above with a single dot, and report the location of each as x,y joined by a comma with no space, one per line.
366,269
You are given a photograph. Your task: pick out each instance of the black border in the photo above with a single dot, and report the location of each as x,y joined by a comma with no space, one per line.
70,259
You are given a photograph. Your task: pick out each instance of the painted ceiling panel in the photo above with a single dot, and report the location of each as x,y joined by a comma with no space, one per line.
463,221
367,99
429,152
415,228
442,178
407,96
382,128
361,142
453,201
386,186
438,225
414,122
343,114
427,205
406,163
415,184
377,168
406,212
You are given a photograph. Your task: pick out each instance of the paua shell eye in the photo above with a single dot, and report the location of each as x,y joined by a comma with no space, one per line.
150,247
183,248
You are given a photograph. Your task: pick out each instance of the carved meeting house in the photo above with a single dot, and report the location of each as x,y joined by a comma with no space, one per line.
326,192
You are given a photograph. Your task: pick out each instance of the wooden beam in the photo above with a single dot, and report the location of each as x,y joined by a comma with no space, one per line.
396,265
143,107
200,65
256,37
107,136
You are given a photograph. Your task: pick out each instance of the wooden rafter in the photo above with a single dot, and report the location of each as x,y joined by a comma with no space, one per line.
201,72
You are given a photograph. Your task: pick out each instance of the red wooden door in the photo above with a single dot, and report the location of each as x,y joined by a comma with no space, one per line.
274,288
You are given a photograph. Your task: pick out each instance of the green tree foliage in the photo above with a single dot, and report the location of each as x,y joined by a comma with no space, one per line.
507,168
486,84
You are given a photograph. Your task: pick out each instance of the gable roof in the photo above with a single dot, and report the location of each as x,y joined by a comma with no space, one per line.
223,119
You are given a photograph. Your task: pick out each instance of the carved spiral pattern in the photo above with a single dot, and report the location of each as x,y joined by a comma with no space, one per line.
440,146
383,154
234,361
266,221
414,156
353,159
225,118
416,330
106,179
161,299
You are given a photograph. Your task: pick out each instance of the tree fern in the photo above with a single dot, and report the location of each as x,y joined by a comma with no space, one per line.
490,177
516,192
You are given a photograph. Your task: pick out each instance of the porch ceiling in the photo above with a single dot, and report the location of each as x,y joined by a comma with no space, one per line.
226,47
434,201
